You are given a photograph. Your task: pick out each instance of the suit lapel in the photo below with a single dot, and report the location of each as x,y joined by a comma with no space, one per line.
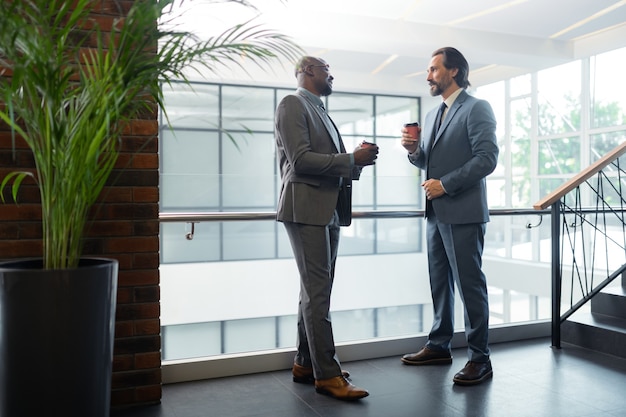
326,121
341,146
449,116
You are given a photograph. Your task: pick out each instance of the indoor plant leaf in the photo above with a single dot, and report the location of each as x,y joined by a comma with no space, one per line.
70,89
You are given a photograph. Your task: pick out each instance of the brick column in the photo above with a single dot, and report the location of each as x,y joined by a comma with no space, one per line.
125,227
128,230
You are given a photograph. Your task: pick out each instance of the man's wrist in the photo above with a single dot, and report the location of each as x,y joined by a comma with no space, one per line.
413,155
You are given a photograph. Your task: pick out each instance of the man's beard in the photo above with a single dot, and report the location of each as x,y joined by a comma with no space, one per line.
440,86
436,91
328,90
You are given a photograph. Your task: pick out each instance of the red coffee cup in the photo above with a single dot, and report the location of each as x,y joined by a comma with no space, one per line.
412,128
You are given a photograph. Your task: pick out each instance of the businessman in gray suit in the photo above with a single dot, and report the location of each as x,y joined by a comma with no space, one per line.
315,200
458,149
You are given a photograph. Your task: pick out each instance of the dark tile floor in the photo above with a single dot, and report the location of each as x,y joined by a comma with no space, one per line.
530,379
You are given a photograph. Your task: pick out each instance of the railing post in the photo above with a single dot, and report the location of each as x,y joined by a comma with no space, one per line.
556,273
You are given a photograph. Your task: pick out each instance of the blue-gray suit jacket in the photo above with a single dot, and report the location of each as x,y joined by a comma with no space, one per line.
462,154
311,165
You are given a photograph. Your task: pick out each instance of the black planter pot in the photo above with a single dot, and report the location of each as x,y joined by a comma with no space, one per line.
56,338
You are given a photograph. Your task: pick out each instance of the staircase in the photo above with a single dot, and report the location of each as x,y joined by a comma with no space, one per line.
588,221
604,328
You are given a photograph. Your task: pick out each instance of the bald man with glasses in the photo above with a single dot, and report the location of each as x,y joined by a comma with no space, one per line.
315,200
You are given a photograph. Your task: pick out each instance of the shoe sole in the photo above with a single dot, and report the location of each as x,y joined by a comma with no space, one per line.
304,380
324,392
467,382
438,361
311,380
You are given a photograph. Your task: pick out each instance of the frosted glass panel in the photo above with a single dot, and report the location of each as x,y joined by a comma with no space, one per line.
248,108
189,170
352,113
248,173
393,112
249,240
195,106
204,247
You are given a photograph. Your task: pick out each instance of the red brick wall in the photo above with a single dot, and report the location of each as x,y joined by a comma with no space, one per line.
125,227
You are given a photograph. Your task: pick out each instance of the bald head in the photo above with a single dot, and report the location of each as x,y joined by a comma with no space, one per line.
314,74
307,61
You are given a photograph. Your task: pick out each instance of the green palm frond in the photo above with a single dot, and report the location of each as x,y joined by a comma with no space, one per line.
70,88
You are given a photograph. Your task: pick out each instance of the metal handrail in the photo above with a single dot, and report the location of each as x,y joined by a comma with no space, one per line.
198,217
556,195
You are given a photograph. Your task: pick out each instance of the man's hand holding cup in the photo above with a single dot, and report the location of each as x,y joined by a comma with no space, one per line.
411,136
365,154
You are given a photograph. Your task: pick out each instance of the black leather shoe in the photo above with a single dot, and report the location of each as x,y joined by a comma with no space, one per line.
427,356
474,373
304,374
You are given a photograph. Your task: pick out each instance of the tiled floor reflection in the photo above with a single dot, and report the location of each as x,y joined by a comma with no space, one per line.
530,379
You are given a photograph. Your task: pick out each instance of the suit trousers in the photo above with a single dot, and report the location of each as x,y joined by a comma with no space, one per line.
315,251
455,256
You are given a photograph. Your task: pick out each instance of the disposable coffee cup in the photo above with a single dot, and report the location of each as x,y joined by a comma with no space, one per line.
412,128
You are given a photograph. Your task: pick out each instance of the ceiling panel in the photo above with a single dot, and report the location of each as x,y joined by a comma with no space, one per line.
500,38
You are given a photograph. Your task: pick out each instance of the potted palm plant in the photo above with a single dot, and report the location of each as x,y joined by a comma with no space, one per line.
68,88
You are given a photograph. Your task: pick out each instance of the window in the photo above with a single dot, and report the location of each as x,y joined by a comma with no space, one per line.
227,162
608,104
220,157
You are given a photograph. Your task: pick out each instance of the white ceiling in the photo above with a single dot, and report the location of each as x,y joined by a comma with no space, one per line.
386,44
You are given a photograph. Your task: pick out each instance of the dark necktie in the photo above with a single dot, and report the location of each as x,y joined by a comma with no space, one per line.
439,118
334,134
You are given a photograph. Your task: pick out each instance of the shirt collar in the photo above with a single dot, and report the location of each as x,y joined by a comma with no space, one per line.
452,98
315,99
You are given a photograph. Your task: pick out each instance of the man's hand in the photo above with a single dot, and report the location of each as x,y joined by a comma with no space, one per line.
365,154
410,143
433,188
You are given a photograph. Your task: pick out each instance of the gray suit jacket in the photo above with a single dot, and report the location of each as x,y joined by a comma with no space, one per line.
462,154
311,165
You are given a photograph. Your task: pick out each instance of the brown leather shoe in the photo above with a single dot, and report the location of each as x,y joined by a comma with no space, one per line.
427,356
473,373
339,387
304,374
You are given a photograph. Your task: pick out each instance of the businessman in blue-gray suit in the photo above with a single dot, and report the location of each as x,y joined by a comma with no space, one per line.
315,200
457,148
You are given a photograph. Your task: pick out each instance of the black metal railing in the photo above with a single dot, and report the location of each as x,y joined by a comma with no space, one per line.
588,235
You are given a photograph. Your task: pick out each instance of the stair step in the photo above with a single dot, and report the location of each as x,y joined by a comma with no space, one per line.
599,332
610,301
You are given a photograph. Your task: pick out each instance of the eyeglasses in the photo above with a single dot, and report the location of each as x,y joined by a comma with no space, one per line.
304,68
320,66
